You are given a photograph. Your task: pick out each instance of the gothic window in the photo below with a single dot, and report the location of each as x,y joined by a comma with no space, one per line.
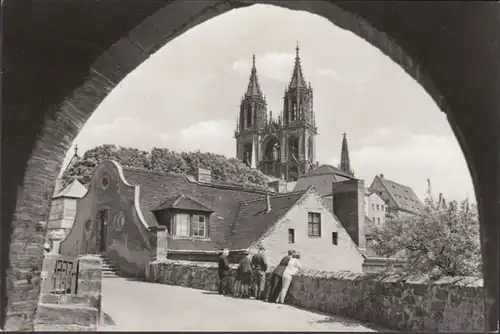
293,114
276,152
294,148
249,118
273,150
247,154
310,150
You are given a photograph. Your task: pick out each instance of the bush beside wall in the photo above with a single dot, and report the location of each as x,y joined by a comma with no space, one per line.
450,304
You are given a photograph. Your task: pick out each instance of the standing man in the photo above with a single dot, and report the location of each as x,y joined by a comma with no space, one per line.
259,264
277,278
224,272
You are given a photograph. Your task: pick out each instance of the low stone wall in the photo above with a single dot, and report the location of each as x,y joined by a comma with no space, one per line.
77,312
450,304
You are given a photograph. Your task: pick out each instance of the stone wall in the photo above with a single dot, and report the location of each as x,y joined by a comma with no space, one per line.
73,312
450,304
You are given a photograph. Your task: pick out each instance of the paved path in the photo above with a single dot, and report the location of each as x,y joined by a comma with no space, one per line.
140,306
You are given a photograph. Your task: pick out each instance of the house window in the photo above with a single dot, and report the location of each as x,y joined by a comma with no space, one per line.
335,238
378,220
373,206
186,225
182,225
314,224
291,236
198,226
378,207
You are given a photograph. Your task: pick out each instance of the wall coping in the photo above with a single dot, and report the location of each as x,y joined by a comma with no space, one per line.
464,281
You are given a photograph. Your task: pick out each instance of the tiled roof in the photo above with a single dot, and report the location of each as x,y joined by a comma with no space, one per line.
74,190
404,196
327,169
156,188
321,178
253,221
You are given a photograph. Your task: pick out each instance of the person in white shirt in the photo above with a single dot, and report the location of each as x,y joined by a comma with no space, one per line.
291,269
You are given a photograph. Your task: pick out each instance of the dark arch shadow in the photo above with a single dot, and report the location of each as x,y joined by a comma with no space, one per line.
121,35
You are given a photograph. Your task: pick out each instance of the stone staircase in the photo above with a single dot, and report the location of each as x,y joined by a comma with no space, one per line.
109,270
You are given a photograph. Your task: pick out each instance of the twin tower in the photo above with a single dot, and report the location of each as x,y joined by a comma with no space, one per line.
283,147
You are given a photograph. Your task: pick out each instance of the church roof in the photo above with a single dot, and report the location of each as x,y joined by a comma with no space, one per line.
297,80
345,162
321,178
253,88
73,190
252,221
327,169
404,196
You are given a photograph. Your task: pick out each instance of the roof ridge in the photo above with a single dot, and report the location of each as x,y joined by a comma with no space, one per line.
192,179
274,195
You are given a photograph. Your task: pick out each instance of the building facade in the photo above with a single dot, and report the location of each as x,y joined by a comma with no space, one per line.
375,208
399,199
285,146
127,211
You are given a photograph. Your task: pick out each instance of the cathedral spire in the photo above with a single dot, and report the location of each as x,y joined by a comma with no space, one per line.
345,163
298,80
253,88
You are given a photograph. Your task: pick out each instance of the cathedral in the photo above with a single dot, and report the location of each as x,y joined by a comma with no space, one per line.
283,147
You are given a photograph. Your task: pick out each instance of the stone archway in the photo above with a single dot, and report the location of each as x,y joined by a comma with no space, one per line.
62,59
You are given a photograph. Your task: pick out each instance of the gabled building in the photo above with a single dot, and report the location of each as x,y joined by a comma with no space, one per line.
400,199
124,210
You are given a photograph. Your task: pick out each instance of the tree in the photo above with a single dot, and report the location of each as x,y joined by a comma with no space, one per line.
164,160
442,241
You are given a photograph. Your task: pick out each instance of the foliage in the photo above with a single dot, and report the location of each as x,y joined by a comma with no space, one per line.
163,160
442,241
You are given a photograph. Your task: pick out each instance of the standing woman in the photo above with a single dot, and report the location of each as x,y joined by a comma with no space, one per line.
292,268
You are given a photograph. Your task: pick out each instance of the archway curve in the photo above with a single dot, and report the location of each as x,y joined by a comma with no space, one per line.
370,21
271,138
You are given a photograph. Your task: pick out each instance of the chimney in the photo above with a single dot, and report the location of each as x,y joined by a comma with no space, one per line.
381,176
204,175
348,206
278,186
268,202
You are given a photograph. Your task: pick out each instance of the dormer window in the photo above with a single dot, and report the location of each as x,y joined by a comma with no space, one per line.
189,225
184,217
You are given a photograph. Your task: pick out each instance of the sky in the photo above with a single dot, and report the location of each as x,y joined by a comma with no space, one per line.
186,97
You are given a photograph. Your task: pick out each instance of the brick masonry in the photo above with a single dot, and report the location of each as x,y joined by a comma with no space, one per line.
450,304
79,312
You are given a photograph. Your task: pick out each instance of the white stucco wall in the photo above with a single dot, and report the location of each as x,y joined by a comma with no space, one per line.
316,252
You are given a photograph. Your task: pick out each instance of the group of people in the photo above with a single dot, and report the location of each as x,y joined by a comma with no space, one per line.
251,276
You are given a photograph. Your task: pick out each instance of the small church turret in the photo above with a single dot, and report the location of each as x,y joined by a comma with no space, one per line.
345,161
